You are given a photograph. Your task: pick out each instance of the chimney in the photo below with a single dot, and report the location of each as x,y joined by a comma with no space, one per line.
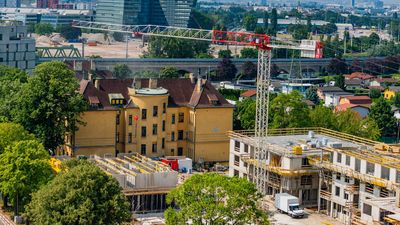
199,84
138,83
192,78
97,84
152,83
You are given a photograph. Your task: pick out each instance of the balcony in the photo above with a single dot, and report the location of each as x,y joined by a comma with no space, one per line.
325,195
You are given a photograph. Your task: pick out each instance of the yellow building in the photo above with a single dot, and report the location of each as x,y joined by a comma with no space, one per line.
391,92
154,117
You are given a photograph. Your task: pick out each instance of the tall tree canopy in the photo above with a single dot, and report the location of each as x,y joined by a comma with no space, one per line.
169,72
381,112
121,71
12,132
82,195
49,105
226,70
160,47
24,168
215,199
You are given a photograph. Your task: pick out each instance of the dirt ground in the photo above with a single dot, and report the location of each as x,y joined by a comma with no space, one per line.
118,49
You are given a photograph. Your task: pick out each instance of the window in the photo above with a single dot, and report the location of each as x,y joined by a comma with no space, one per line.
173,119
385,173
339,158
130,120
154,129
237,146
180,151
164,107
337,191
155,111
163,125
154,148
305,162
246,149
346,179
370,168
1,37
117,137
172,136
346,196
306,180
358,165
163,143
144,114
144,132
367,209
130,138
397,176
143,149
369,188
338,176
181,118
172,151
180,135
347,160
117,120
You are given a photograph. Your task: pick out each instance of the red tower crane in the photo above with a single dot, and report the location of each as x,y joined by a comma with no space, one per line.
264,43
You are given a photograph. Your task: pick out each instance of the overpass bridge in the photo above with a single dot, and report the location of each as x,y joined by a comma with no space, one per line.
194,65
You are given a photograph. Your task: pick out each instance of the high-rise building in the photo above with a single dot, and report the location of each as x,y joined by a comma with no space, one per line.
157,12
264,2
16,49
353,3
10,3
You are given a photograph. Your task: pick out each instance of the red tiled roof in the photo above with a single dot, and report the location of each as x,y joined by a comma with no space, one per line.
180,91
344,107
359,75
359,100
248,93
94,100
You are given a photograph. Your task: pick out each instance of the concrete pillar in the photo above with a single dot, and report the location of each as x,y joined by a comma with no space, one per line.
398,197
319,192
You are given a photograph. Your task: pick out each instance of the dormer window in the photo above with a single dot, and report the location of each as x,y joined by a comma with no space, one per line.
94,102
116,99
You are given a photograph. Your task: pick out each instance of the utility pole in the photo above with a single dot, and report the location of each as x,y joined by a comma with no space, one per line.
126,47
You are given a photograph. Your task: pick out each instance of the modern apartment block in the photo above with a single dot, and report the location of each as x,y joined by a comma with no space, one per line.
133,12
153,117
10,3
352,179
16,49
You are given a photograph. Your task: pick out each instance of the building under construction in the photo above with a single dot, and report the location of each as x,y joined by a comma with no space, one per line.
352,179
144,181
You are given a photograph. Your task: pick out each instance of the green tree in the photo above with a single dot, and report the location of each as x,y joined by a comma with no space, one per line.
288,110
161,47
12,132
169,72
82,195
49,105
226,70
382,114
396,100
374,93
249,70
374,39
146,74
259,30
44,29
311,94
274,22
322,116
118,36
225,54
11,81
249,53
69,32
250,22
245,114
339,81
215,199
121,71
24,168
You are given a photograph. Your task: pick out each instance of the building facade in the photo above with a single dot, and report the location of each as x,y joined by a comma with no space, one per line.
352,179
165,117
10,3
133,12
16,49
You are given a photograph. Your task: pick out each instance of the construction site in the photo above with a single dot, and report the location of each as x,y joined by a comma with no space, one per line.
144,181
351,179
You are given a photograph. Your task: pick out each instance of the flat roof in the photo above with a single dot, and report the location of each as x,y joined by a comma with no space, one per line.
152,91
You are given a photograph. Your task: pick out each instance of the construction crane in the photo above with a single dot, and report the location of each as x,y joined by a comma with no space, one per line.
263,42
